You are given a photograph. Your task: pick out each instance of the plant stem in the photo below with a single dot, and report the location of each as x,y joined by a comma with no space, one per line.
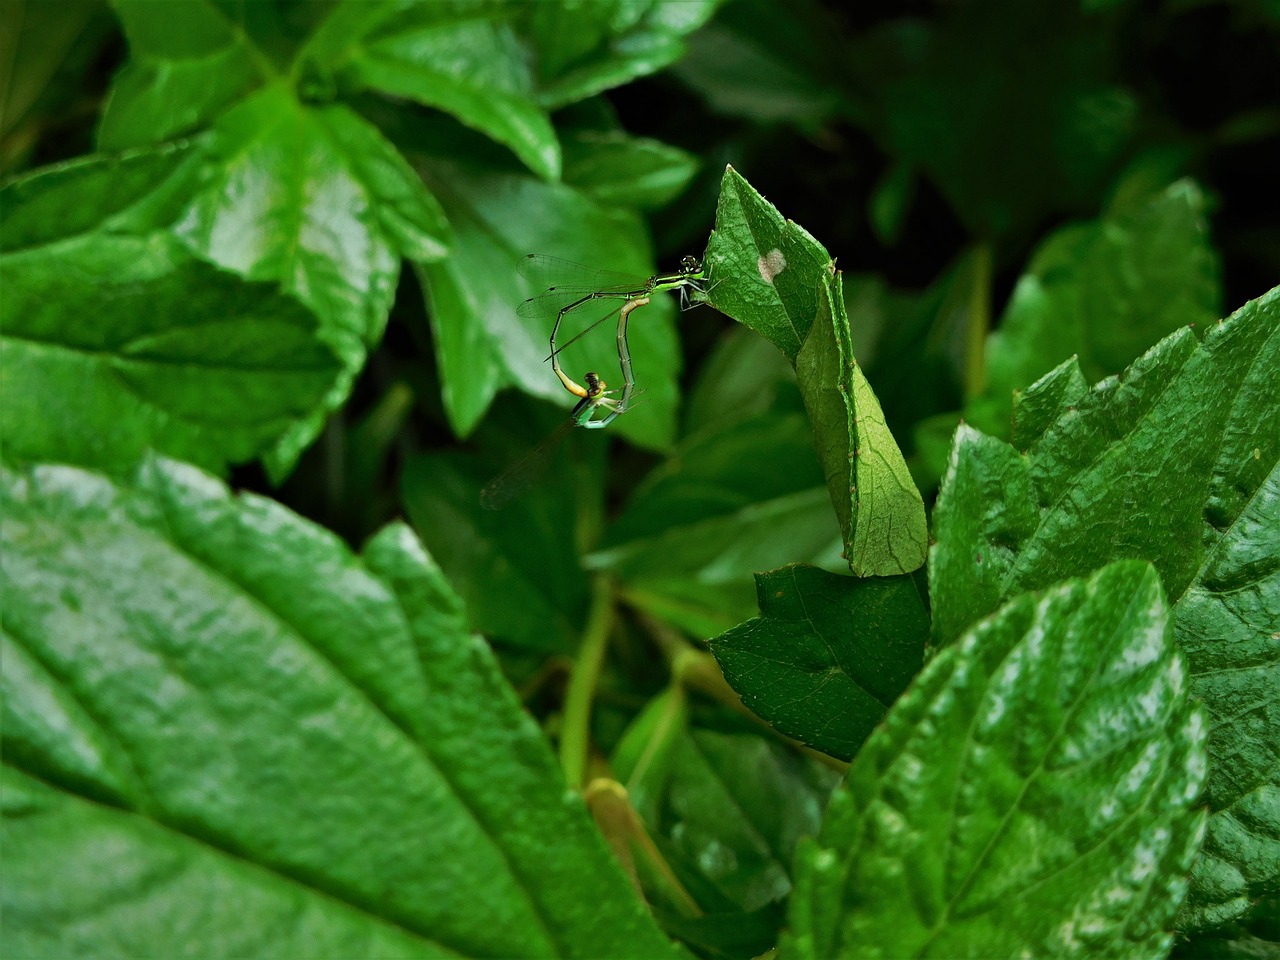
673,714
575,734
625,833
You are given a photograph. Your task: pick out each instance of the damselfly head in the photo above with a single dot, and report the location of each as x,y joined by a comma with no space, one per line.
690,264
595,386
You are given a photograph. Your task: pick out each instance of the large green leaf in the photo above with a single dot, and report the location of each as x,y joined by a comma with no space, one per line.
214,709
1030,795
616,169
762,270
116,339
582,49
499,216
880,510
828,655
1176,461
317,200
1103,291
463,58
189,62
312,198
770,275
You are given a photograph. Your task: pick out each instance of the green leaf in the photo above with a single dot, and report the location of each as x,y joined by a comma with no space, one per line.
464,59
481,344
116,340
212,705
1104,291
616,169
880,510
1176,461
794,284
1031,794
585,48
147,190
698,527
766,65
1041,405
712,790
828,655
763,271
319,202
410,219
189,62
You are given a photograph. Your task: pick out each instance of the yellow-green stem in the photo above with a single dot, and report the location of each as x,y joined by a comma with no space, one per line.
625,832
575,733
673,713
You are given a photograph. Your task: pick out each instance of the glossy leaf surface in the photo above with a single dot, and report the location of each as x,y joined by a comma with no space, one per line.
179,357
191,61
465,59
793,298
828,655
1103,291
1176,461
209,701
880,510
1032,793
616,169
585,49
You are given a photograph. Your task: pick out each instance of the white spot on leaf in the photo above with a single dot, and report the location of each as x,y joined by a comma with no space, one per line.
771,264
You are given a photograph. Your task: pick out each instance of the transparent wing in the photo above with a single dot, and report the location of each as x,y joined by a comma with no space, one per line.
551,273
525,472
545,306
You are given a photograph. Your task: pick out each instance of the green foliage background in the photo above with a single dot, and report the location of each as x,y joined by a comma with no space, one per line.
926,603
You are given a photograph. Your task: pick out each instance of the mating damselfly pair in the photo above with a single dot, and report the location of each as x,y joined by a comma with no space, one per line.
571,290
